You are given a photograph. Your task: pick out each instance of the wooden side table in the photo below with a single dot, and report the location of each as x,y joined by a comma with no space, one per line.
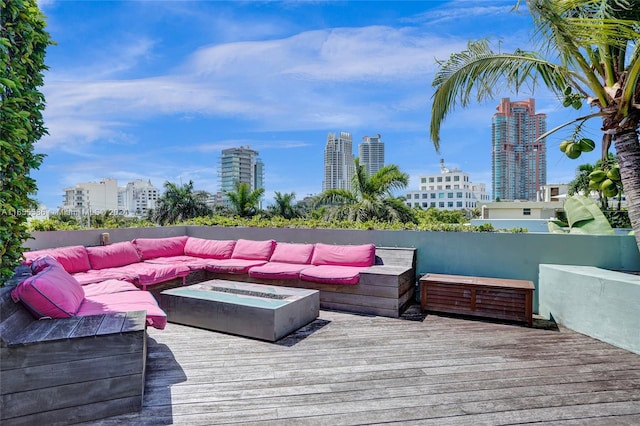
478,296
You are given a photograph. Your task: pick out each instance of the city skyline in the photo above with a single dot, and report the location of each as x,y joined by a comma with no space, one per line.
156,90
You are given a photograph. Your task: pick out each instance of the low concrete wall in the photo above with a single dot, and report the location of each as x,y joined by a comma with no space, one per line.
599,303
493,254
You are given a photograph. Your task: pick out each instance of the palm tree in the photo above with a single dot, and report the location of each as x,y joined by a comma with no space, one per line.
371,198
179,203
580,184
590,52
243,200
284,206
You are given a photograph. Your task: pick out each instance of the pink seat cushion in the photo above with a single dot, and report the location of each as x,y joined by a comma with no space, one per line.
96,276
73,258
52,293
113,255
278,271
153,273
332,274
344,255
148,248
233,266
292,253
193,263
209,249
253,250
108,287
128,301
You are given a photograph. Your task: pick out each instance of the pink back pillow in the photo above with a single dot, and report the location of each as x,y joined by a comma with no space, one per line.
113,255
292,253
150,248
209,249
53,293
73,258
345,255
253,250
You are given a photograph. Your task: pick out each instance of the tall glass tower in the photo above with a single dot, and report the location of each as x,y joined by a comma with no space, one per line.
519,160
338,162
240,165
371,153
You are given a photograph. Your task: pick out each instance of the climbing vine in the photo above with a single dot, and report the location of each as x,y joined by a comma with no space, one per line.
23,44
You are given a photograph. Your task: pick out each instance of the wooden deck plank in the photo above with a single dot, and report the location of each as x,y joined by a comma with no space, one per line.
358,369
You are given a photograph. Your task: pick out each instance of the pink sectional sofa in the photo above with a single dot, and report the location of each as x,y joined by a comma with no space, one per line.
348,272
52,292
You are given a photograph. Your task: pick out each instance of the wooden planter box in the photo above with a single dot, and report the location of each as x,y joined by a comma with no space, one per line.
496,298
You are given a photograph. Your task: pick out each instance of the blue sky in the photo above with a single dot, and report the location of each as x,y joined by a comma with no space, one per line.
156,89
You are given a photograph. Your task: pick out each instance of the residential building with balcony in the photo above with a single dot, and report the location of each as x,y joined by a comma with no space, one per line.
91,197
239,165
339,165
137,198
371,153
519,159
448,190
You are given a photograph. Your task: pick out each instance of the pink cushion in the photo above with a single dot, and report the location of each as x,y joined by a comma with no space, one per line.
292,253
253,250
72,258
194,263
154,273
332,274
52,293
108,287
233,266
98,275
209,249
344,255
148,248
129,301
113,255
278,271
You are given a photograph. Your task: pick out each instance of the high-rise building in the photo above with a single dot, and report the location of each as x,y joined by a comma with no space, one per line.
449,190
371,153
338,162
240,165
519,159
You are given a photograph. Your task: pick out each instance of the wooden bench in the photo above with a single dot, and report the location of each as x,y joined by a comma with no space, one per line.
385,289
62,371
496,298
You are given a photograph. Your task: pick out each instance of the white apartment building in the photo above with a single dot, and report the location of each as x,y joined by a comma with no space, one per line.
135,199
91,197
371,153
448,190
339,164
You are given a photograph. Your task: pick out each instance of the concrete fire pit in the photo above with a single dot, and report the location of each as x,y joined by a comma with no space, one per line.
253,310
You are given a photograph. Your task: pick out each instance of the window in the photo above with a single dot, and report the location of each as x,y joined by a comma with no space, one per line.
450,204
450,195
425,204
416,196
447,179
433,195
425,195
526,212
458,194
441,195
430,180
447,187
459,204
423,180
441,204
456,178
439,178
432,204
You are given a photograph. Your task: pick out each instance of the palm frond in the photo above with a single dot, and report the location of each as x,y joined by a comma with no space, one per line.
478,70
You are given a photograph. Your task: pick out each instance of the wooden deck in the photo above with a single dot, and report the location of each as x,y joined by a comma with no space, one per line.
348,369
